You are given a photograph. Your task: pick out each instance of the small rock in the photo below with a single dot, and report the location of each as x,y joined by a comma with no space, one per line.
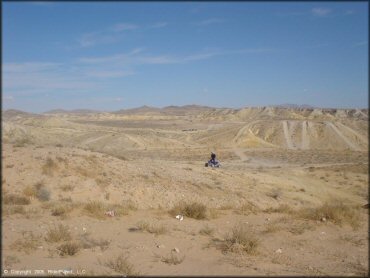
176,250
268,219
279,251
323,233
160,246
323,219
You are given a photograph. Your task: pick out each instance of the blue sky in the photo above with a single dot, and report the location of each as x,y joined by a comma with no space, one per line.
115,55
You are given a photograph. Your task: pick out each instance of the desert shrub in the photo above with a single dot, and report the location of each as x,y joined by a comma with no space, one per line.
275,194
43,194
60,211
10,260
14,199
15,209
172,258
335,211
56,234
283,208
193,210
241,239
49,167
67,187
95,209
247,208
151,228
68,249
28,243
29,191
207,230
87,243
121,265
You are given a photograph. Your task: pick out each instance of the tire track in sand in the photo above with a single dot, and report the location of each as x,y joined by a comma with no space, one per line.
305,145
345,139
288,139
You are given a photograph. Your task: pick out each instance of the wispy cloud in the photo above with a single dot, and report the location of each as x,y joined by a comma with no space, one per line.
109,73
109,35
349,12
321,12
362,43
8,98
119,27
209,21
159,25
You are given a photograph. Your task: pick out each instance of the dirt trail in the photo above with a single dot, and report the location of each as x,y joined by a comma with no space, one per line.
340,134
358,135
288,139
305,139
241,154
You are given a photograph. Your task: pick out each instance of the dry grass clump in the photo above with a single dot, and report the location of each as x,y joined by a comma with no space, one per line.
14,199
10,260
172,259
10,210
49,167
121,265
283,208
38,190
275,194
241,239
145,226
95,209
335,211
247,208
61,211
28,243
68,249
271,228
57,234
207,231
193,210
21,142
89,243
67,187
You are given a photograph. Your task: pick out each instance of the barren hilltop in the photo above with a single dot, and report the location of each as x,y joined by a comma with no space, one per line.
106,191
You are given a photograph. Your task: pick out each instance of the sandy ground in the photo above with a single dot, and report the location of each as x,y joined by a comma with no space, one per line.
298,208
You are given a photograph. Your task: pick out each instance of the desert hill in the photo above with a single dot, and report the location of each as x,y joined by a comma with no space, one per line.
105,192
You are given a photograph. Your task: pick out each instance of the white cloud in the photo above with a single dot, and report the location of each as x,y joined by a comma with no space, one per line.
8,98
109,73
209,21
159,25
321,12
119,27
362,43
109,35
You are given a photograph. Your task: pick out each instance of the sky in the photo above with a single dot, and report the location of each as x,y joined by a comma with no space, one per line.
119,55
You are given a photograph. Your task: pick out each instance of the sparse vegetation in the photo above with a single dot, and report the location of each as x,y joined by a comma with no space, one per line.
334,211
43,194
151,228
68,249
49,167
28,243
193,210
247,208
207,230
172,258
10,261
57,234
14,199
88,243
241,239
95,209
67,187
121,265
275,194
283,208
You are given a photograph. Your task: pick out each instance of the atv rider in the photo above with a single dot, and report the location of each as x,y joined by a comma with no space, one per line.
213,162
